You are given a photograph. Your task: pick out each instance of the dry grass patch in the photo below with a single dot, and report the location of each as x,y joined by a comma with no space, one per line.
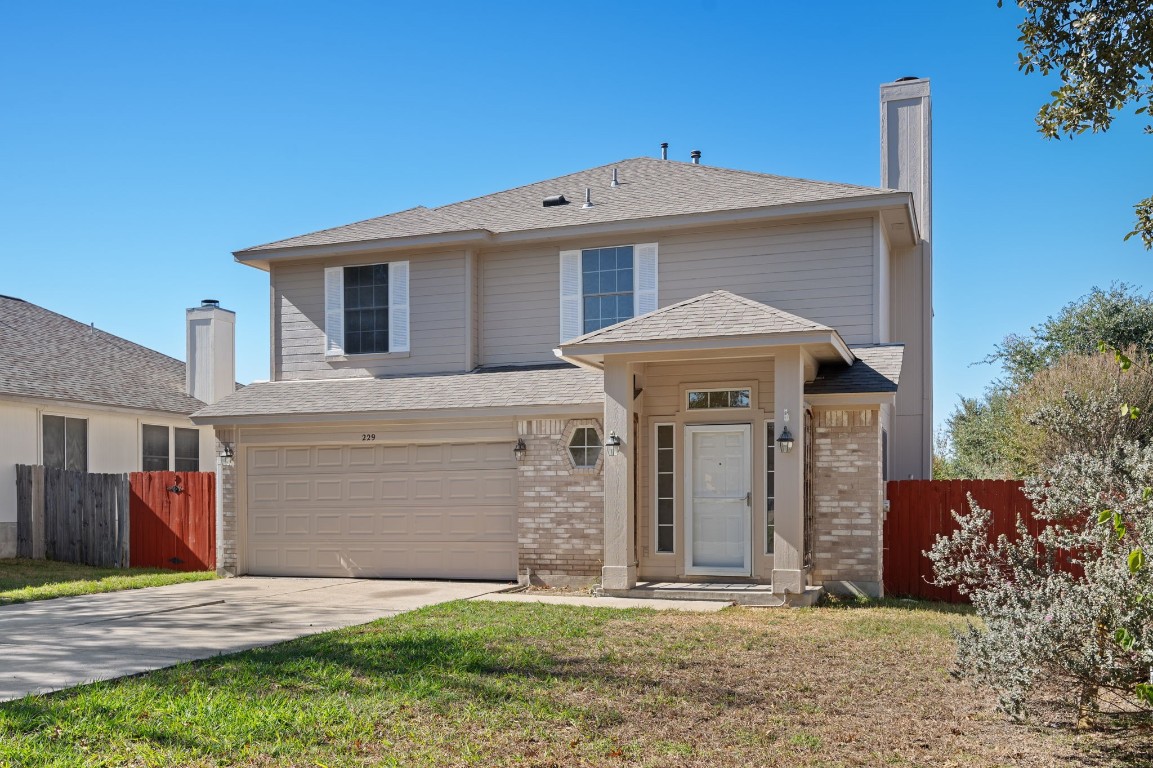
477,683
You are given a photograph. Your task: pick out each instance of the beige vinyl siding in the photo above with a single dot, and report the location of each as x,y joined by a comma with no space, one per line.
437,320
821,270
663,403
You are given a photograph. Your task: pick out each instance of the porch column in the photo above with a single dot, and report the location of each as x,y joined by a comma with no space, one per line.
788,541
620,567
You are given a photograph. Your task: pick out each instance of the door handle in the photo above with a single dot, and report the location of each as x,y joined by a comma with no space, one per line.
749,498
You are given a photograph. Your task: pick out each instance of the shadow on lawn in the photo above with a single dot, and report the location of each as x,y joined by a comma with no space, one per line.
899,603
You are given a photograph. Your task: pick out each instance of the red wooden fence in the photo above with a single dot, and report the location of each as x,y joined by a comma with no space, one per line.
173,520
919,510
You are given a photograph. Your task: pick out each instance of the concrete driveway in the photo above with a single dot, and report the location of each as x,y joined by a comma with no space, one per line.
54,644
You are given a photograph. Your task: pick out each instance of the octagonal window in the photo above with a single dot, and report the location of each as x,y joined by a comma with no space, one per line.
584,447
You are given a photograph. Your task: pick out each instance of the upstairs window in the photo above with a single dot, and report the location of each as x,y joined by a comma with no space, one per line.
606,286
65,443
600,287
366,309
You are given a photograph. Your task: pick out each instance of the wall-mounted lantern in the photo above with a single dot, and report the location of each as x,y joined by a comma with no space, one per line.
520,449
226,454
785,441
612,444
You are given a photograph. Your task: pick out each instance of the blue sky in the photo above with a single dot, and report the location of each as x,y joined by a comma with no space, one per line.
142,142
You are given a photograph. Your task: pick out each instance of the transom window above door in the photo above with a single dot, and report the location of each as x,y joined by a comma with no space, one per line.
708,399
600,287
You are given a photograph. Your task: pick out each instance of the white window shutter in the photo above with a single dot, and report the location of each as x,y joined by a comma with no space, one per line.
645,273
570,295
398,306
333,311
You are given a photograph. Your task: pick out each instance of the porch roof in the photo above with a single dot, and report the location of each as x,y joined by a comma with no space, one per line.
876,369
718,319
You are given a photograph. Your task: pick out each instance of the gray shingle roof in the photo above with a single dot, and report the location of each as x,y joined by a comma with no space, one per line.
648,188
717,313
876,369
43,354
553,385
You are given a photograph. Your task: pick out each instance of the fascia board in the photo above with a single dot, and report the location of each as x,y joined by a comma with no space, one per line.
262,258
590,351
80,405
443,414
852,398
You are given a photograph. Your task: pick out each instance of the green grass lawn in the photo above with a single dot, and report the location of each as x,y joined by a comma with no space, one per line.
498,684
22,581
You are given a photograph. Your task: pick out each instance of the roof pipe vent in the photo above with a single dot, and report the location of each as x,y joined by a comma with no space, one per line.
588,198
696,156
210,303
616,179
664,150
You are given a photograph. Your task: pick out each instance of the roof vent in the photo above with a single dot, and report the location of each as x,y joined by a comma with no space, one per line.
588,198
616,179
549,202
210,303
664,150
696,156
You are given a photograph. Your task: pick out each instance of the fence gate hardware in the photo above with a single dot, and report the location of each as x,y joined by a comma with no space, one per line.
175,488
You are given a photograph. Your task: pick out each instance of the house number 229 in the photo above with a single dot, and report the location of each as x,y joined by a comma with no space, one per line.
368,437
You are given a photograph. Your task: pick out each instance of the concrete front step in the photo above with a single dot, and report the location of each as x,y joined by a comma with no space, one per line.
760,595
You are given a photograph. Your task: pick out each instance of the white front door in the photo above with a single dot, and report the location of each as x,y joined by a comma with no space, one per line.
718,494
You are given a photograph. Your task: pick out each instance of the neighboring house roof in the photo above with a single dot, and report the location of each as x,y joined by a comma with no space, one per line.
648,188
47,355
710,315
876,369
554,385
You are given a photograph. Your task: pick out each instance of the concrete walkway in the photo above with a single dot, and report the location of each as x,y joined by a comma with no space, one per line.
54,644
696,606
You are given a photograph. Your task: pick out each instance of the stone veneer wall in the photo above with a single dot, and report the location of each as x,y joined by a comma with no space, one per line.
849,496
560,528
226,542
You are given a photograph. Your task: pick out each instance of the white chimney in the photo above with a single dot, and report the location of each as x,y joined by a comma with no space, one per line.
211,352
906,145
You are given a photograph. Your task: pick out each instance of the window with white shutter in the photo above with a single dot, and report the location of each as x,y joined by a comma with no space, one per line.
366,309
600,287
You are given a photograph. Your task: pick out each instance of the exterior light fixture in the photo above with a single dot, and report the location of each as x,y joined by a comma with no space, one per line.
520,449
785,441
226,454
612,444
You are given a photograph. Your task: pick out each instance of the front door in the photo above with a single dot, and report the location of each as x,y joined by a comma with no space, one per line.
718,494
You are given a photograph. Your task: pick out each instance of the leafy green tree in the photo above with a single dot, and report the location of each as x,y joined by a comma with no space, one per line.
1102,51
994,436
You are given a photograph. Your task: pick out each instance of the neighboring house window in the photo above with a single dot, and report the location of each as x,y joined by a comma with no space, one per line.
154,442
704,399
187,449
366,309
65,443
603,286
666,487
584,447
770,486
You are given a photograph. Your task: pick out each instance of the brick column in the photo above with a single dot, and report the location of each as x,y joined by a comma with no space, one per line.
849,498
226,502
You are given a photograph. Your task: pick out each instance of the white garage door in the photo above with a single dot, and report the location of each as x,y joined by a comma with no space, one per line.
397,511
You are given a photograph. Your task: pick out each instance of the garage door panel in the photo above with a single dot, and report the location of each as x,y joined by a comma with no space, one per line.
444,510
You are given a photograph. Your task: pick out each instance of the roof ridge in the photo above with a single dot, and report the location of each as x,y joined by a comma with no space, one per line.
532,184
657,311
753,303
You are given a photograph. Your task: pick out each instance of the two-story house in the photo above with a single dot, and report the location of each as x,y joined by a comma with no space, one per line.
650,371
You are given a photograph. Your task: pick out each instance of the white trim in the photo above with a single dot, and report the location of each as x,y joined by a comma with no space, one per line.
333,311
399,331
770,450
654,475
571,295
689,431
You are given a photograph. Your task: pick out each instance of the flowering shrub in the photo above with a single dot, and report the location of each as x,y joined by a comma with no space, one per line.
1090,633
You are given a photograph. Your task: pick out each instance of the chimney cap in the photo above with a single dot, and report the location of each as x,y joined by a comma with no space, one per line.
696,156
210,303
906,79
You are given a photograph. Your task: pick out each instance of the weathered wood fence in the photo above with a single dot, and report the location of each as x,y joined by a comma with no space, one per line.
145,519
74,517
